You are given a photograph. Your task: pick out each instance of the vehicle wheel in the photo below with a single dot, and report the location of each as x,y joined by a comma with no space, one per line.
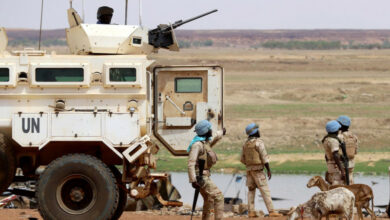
7,165
77,187
122,193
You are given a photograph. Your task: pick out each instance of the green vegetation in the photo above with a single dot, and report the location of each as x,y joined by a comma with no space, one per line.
172,164
188,44
28,42
302,45
229,163
318,167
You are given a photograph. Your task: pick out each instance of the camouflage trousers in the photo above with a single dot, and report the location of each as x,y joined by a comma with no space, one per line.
212,198
350,171
334,175
257,179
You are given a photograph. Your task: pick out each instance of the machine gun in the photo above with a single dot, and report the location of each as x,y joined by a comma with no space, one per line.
163,37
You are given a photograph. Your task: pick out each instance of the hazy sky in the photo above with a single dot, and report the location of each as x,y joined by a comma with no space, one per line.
233,14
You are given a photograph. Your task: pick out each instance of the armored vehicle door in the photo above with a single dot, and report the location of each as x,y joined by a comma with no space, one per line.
183,96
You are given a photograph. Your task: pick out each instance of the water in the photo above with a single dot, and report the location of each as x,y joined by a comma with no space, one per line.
291,188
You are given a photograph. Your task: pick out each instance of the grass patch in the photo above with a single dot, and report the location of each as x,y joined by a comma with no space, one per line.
299,167
375,168
174,164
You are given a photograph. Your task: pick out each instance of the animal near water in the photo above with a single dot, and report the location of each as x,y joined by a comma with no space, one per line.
339,201
363,194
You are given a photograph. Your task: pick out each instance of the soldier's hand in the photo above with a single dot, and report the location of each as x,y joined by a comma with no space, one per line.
269,174
343,177
224,131
195,185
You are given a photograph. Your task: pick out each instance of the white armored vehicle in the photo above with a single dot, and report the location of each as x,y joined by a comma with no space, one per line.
89,117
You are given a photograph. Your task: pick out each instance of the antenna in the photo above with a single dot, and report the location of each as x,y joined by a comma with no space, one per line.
70,2
127,1
140,12
82,8
40,27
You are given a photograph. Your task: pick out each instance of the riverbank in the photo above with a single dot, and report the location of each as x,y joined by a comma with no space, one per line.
367,163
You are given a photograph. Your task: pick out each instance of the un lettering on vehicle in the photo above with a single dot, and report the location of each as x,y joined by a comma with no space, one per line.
30,129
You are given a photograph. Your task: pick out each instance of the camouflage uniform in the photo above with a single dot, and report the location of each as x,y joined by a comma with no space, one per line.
212,196
331,144
254,156
351,145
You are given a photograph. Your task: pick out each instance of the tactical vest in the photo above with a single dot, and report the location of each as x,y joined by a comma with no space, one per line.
350,144
252,156
208,155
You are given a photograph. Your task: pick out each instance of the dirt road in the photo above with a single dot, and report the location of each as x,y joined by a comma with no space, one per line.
28,214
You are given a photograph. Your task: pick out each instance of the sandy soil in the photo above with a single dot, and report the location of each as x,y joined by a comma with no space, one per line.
28,214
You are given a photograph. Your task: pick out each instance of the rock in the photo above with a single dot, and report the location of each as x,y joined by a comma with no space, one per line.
236,209
228,214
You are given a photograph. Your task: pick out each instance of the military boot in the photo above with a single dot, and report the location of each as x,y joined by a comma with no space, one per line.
275,214
252,214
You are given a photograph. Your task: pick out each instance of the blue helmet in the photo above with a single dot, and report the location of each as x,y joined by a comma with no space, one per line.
202,127
344,120
332,126
252,128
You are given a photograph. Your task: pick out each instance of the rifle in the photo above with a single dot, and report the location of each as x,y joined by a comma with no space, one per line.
162,35
199,179
345,160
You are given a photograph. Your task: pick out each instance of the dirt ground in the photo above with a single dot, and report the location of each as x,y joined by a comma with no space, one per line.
292,94
28,214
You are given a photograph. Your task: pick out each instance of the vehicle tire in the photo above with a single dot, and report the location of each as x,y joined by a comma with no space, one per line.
7,164
122,193
77,187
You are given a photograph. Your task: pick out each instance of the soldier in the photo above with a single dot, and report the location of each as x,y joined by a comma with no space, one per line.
200,148
104,15
331,144
254,157
351,143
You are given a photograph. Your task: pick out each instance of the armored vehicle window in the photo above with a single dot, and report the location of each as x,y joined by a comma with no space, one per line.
188,85
123,74
4,75
59,74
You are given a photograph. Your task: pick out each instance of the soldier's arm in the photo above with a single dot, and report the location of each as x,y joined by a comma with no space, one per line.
357,144
242,156
217,137
260,147
335,147
192,158
336,158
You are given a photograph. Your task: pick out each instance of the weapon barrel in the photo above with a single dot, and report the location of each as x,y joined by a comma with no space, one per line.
179,23
199,179
346,162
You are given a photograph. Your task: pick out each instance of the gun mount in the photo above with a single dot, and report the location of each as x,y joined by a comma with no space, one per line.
164,37
121,39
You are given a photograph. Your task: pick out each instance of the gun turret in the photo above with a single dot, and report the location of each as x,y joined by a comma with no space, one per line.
163,36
